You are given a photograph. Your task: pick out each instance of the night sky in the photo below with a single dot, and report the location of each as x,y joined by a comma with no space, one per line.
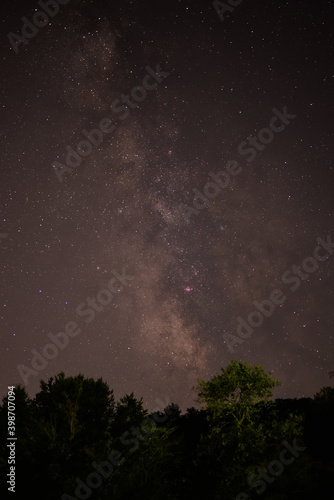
130,211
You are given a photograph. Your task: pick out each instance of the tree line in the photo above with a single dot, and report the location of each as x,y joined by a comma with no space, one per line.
74,441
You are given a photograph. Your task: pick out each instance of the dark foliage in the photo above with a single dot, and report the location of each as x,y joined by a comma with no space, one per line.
73,432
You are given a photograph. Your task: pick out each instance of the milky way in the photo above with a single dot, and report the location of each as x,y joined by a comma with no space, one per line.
121,205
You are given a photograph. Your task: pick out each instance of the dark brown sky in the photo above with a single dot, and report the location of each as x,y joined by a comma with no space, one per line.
122,206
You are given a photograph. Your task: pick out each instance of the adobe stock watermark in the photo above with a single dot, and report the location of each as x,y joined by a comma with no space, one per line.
3,236
222,7
266,308
265,135
211,189
275,469
103,471
222,178
60,340
39,20
96,136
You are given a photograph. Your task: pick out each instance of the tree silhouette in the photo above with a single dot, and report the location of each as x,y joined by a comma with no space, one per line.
74,423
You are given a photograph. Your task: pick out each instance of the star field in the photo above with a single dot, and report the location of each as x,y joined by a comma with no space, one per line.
121,206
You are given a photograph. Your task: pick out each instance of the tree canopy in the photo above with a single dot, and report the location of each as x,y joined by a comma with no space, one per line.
76,441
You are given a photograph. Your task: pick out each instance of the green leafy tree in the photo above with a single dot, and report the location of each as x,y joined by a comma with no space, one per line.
238,385
245,428
236,400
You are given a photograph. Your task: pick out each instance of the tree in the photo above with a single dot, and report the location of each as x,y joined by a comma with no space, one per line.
129,412
245,429
71,408
326,393
153,465
231,397
69,423
239,383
